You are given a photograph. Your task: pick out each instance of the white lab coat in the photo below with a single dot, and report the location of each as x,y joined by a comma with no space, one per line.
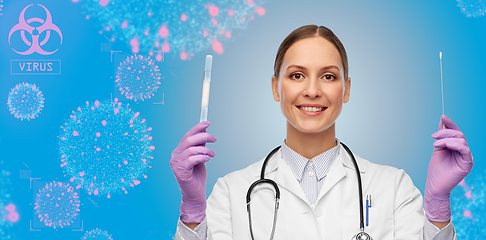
396,211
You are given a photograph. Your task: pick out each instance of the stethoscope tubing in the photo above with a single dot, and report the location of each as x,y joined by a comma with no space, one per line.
360,188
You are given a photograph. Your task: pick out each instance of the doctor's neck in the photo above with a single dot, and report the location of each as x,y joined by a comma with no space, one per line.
310,145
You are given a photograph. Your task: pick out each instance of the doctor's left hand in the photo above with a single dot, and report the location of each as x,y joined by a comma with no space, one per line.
187,164
451,161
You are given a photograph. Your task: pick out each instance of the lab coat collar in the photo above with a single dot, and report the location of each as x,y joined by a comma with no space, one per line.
283,175
272,165
338,171
348,162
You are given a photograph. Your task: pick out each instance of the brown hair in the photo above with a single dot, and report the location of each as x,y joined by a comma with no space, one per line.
309,31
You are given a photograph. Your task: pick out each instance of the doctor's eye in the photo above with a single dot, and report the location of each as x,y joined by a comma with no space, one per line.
329,77
296,76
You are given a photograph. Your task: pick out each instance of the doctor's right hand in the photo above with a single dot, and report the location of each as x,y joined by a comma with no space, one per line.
187,163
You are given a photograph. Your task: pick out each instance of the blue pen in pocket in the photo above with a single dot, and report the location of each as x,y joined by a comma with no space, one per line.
368,205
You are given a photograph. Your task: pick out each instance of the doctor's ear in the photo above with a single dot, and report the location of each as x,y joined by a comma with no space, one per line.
347,90
276,97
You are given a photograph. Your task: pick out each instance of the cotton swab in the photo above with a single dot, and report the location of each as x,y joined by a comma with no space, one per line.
206,84
442,87
441,82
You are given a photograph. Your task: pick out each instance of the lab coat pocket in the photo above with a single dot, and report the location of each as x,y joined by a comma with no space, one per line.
380,223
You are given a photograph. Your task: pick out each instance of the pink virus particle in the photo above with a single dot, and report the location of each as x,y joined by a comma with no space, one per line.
166,47
164,31
57,204
260,11
231,13
97,234
25,101
104,3
213,10
217,46
112,150
135,45
9,214
124,24
183,55
138,77
183,17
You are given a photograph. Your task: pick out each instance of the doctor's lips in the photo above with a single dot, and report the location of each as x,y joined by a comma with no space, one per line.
311,107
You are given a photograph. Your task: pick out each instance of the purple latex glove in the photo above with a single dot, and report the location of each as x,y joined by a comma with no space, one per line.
451,161
187,164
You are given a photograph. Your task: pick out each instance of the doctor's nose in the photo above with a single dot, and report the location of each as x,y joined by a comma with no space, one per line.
312,89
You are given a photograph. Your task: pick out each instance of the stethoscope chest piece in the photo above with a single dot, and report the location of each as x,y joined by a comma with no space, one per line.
362,236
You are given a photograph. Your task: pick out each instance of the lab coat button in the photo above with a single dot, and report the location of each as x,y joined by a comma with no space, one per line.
318,213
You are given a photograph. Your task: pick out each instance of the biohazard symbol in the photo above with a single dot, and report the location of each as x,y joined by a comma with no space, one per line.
23,26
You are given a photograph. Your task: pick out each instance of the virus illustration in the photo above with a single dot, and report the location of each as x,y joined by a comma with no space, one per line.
137,77
472,8
105,147
97,234
25,101
57,204
468,207
182,27
1,7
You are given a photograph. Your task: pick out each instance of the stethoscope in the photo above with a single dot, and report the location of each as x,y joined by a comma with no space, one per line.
362,235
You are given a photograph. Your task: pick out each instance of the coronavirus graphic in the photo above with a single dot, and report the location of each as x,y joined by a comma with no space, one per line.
182,28
472,8
105,148
97,234
137,77
1,7
57,204
468,205
25,101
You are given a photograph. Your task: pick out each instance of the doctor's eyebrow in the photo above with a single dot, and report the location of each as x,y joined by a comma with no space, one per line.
322,69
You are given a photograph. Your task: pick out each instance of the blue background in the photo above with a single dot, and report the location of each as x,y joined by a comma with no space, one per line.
395,104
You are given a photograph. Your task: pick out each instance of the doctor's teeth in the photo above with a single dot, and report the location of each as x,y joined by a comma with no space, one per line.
311,109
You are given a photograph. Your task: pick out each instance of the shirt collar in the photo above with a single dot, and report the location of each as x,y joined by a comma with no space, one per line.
322,162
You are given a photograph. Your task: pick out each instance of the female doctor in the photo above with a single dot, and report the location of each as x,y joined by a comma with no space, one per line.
315,175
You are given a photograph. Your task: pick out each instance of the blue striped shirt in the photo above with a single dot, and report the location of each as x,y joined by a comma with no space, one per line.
310,172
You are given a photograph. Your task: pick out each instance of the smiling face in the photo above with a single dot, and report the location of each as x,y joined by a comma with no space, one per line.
311,87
